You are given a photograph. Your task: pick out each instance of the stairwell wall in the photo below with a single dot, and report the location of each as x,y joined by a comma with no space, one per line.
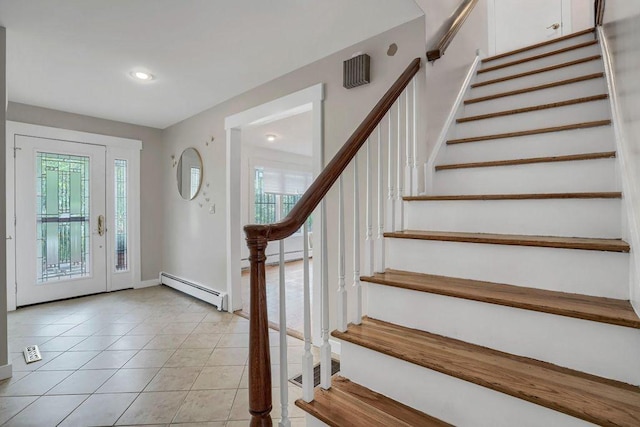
622,32
445,76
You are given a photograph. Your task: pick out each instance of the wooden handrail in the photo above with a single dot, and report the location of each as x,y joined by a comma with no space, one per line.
599,12
450,28
258,236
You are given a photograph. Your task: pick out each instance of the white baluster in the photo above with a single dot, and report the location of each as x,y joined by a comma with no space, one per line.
325,348
356,242
284,375
414,166
307,357
408,179
342,292
391,211
369,244
380,238
399,171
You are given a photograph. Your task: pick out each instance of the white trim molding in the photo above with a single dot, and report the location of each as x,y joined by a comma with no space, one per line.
146,284
6,371
630,189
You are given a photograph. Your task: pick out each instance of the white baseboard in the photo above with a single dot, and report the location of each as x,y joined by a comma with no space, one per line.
146,284
6,371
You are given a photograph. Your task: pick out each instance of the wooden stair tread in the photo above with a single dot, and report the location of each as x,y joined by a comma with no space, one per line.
540,56
532,196
532,160
574,126
537,45
534,88
534,108
349,404
538,70
597,309
590,244
588,397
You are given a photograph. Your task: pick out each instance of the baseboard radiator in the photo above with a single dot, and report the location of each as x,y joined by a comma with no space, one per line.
196,290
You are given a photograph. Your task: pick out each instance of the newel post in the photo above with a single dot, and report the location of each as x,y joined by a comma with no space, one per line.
259,359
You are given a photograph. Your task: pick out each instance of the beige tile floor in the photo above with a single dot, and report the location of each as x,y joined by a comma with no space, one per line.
150,356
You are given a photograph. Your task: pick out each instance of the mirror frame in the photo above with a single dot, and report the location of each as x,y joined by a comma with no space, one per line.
179,170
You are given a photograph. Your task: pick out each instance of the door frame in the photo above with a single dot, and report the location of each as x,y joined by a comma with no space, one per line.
313,95
114,145
566,28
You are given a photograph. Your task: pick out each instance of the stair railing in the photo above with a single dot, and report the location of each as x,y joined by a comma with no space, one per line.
450,28
401,169
598,16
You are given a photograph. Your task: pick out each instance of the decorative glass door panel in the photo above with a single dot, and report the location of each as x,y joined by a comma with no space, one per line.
60,222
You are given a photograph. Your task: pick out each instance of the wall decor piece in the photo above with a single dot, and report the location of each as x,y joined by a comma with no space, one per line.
189,174
356,71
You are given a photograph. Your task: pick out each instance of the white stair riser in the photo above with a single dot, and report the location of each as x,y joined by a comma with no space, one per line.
544,49
605,350
559,116
559,177
547,61
312,421
538,79
450,399
596,218
596,273
589,140
539,97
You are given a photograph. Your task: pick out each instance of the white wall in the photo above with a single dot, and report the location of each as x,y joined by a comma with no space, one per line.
581,15
194,239
622,31
250,158
4,349
444,78
151,193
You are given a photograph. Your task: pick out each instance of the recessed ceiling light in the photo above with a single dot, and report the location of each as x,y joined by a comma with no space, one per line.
271,137
142,75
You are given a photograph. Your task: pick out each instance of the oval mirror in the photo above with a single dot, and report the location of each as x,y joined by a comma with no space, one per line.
189,174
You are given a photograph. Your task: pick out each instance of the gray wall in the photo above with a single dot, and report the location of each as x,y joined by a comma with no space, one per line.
150,170
622,29
4,351
194,240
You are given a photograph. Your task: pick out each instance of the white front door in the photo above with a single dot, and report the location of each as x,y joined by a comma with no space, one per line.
60,208
520,23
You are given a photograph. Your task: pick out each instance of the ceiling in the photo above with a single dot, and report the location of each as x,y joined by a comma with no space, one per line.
76,55
293,134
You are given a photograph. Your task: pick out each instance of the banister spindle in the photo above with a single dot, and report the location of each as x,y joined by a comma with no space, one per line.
325,348
408,179
414,134
399,171
259,355
307,357
380,238
356,241
369,243
391,217
342,292
284,375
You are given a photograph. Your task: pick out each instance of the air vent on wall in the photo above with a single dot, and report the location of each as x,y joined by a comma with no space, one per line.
356,71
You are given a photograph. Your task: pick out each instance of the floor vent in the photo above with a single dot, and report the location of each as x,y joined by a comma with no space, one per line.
335,368
196,290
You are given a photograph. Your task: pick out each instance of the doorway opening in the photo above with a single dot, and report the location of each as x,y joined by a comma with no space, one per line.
274,151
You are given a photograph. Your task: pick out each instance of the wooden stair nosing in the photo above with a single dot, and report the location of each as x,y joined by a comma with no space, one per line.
540,56
574,126
532,196
595,399
585,307
537,71
537,45
532,160
588,244
534,88
534,108
339,405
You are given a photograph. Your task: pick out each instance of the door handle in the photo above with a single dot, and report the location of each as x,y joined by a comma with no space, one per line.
554,26
101,227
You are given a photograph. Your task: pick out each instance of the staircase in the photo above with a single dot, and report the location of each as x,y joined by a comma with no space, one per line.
505,301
